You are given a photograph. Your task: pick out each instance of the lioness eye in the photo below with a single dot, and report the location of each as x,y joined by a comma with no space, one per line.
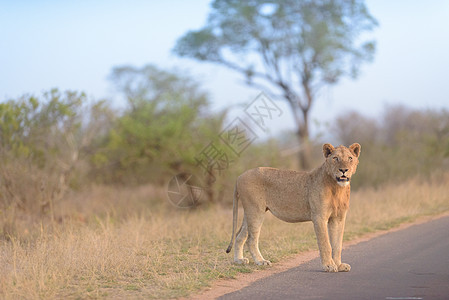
336,158
350,157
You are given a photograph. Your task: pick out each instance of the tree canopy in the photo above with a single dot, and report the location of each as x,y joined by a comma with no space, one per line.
291,47
162,128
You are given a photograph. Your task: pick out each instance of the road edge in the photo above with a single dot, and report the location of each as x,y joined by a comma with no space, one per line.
225,286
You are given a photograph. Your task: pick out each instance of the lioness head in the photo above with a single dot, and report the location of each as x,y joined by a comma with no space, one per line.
341,162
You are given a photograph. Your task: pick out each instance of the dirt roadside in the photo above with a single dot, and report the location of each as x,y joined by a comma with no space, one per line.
225,286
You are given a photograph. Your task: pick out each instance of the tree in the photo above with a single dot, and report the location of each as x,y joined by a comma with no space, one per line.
164,126
292,47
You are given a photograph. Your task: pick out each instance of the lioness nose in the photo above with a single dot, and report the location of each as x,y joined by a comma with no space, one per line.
344,170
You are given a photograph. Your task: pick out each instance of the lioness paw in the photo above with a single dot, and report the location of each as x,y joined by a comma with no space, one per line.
331,268
241,261
263,263
344,268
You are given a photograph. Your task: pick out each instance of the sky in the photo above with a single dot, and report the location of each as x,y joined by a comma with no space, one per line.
75,44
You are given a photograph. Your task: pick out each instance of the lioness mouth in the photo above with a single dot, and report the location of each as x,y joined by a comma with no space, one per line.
342,179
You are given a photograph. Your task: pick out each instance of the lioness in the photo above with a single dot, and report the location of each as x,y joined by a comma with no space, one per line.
320,196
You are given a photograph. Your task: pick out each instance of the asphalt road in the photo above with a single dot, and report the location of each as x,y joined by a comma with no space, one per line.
409,264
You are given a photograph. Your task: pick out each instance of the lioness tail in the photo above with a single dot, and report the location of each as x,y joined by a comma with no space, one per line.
235,211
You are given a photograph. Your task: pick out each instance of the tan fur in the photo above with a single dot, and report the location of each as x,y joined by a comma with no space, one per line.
320,196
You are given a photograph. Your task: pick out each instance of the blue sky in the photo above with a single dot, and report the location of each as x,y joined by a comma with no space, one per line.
74,44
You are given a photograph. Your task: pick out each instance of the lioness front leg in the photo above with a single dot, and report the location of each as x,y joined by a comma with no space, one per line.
336,231
322,236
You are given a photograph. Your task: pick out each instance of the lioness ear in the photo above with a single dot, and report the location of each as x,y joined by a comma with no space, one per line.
356,148
327,150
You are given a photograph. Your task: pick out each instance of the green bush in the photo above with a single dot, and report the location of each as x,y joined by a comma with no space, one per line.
41,141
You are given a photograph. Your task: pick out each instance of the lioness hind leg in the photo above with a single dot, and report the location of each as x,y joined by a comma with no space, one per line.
240,240
255,222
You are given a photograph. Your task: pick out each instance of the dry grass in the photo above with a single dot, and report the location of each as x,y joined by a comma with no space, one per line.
117,243
388,206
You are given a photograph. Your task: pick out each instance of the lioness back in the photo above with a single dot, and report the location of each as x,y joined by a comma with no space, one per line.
267,188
